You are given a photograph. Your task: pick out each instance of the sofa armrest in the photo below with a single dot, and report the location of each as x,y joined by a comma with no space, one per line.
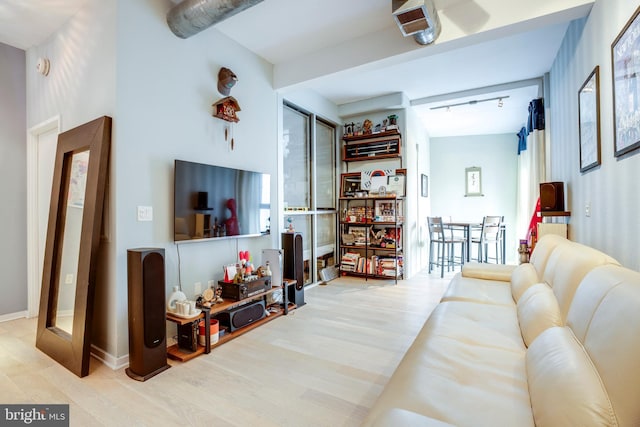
499,272
401,417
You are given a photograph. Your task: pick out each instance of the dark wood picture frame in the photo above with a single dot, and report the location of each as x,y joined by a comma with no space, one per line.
626,86
72,350
589,121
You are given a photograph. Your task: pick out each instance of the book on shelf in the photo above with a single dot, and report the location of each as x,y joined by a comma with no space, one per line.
349,261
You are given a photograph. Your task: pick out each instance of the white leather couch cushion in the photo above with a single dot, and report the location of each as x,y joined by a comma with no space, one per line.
543,249
537,311
485,325
605,316
565,387
500,272
566,268
478,290
522,278
457,378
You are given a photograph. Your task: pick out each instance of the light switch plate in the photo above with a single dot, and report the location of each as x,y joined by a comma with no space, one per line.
145,213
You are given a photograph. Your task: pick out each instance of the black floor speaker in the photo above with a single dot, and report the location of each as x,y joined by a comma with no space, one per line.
293,266
147,316
244,315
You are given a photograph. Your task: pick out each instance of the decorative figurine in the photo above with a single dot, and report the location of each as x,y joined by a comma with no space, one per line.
393,122
366,127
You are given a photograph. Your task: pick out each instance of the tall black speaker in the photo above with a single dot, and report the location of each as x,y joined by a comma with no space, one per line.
293,266
147,315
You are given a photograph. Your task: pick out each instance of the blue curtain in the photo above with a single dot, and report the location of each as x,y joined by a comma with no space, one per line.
522,140
536,115
535,121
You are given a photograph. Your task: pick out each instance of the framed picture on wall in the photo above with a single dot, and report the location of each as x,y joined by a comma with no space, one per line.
626,87
589,121
473,182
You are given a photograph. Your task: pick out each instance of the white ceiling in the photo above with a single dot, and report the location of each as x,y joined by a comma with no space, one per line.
351,50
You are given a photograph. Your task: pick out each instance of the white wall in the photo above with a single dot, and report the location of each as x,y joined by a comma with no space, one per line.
417,149
165,88
119,58
497,156
13,178
612,189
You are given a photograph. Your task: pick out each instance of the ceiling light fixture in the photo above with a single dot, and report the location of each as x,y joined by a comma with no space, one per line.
473,102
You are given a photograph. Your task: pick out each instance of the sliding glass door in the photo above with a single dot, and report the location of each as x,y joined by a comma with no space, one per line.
309,171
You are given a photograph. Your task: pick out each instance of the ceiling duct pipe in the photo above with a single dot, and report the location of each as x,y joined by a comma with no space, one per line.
192,16
417,18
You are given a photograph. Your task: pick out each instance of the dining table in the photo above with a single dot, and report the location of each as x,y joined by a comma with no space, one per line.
467,228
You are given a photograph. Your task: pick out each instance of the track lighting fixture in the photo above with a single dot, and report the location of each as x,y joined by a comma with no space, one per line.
500,100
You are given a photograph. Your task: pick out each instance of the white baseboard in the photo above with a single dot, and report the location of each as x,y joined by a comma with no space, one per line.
108,359
14,316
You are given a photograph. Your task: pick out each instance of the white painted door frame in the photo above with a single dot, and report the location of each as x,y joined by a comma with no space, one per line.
33,265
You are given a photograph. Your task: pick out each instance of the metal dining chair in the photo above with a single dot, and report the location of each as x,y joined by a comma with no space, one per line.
492,233
442,244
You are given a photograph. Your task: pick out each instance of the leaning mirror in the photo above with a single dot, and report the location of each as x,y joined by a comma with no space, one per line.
73,238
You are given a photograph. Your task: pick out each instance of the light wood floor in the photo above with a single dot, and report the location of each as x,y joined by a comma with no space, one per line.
323,365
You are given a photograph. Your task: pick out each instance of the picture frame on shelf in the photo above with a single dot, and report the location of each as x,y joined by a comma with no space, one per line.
473,182
626,87
589,121
349,184
396,184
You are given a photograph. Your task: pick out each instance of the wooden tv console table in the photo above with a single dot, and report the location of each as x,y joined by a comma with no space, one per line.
177,353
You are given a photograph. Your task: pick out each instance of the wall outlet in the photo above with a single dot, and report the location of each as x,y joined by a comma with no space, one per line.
68,279
197,288
145,213
587,209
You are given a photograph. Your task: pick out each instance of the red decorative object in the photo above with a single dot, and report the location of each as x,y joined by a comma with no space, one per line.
226,109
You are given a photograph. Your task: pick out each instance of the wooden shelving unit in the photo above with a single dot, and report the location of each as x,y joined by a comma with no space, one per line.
378,257
176,353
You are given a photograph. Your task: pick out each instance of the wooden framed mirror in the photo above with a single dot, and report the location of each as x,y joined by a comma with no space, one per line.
73,238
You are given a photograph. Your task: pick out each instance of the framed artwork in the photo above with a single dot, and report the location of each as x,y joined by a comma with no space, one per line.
396,184
626,87
424,185
589,121
473,182
349,184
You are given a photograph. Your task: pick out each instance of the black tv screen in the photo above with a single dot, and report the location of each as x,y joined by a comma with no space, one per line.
214,201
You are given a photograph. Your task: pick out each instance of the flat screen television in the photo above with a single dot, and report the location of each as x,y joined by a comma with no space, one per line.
214,201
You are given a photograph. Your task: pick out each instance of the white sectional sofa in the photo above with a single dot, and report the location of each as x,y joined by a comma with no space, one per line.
555,342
